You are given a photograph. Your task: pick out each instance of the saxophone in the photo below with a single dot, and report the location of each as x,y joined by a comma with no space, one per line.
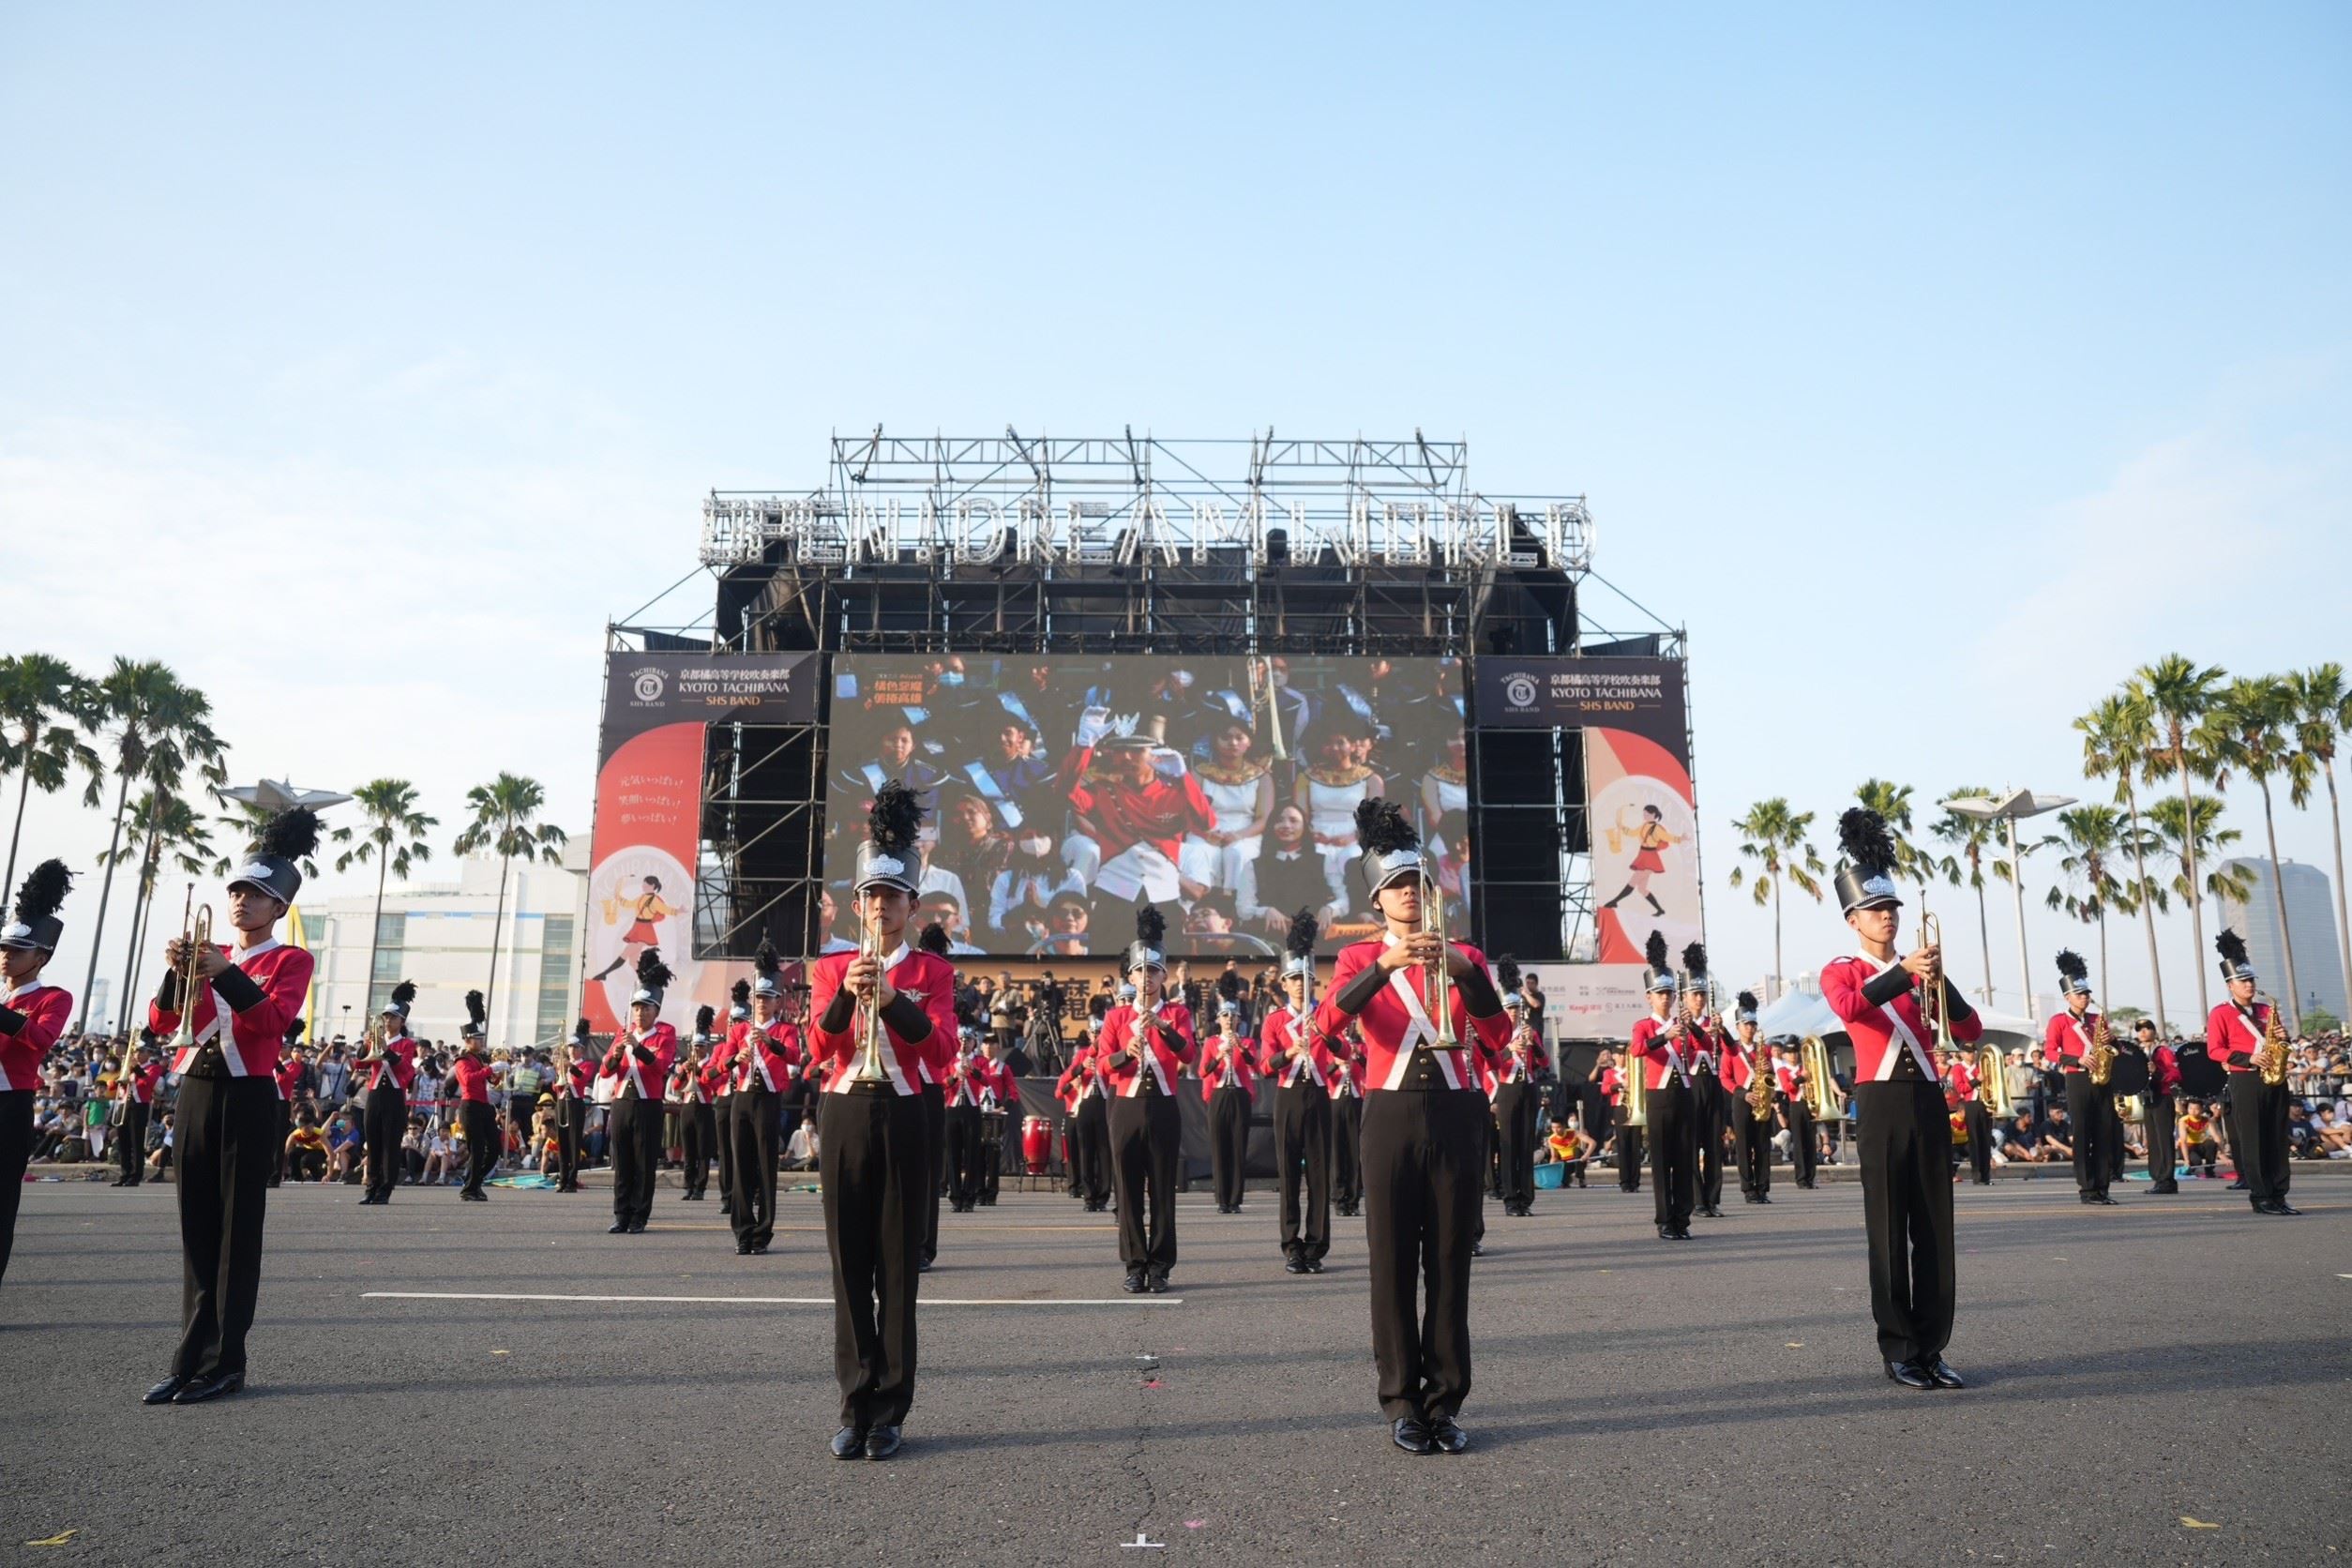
1759,1089
2270,1060
2100,1062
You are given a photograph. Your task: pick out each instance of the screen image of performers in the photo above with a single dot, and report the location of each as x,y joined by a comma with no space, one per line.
2241,1034
1745,1062
575,1075
1145,1044
32,1016
1902,1131
2067,1046
882,1020
1298,1061
1710,1110
472,1071
763,1059
1229,1082
225,1122
1660,1048
1428,1013
634,1070
1088,1102
1516,1095
386,1066
2164,1090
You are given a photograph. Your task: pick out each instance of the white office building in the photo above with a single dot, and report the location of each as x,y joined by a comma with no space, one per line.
2310,916
439,934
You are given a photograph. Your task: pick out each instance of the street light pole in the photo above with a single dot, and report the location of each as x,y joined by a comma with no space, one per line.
2017,887
2010,808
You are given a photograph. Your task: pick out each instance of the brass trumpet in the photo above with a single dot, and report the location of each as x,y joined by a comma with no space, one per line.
869,1057
1435,981
194,939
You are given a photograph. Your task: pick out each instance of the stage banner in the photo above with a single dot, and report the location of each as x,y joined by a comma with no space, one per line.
649,803
1591,1001
1637,784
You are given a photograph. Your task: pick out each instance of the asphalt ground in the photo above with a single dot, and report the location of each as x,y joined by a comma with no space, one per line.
2173,1360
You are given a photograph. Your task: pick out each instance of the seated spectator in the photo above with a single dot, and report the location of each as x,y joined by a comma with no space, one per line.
345,1149
801,1153
306,1149
2022,1146
2334,1138
2058,1135
1569,1145
2198,1147
438,1170
48,1130
413,1150
2303,1139
160,1141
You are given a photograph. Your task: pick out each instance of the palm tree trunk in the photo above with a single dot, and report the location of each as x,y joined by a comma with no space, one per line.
2278,892
2189,864
2102,948
25,787
106,891
375,932
2147,906
2344,928
1776,970
140,891
497,924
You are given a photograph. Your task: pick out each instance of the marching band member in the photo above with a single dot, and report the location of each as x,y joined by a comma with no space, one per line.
1514,1096
1423,1121
1744,1058
472,1070
388,1067
2065,1046
1796,1109
31,1018
693,1082
1144,1045
1609,1078
574,1089
1710,1115
963,1089
1081,1087
1299,1060
1961,1088
1347,1123
288,1076
1661,1045
2163,1083
1000,1095
228,1105
933,1069
2235,1033
1229,1082
764,1060
876,1164
723,1066
636,1068
1901,1128
142,1075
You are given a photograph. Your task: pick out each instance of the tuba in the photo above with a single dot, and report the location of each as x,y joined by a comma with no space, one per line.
1634,1092
1991,1081
1821,1083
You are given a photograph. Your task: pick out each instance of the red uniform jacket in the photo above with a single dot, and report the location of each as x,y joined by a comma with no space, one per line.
925,979
1664,1058
1277,1034
575,1080
473,1074
139,1082
1159,814
985,1082
2163,1071
1122,1026
1506,1069
1881,1033
2232,1037
1739,1063
1785,1075
2066,1040
629,1071
774,1064
288,1073
399,1060
255,1037
1612,1083
1214,1060
1397,1017
1076,1083
45,1009
1959,1082
689,1085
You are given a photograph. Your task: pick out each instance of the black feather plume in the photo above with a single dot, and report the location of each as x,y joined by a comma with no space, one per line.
1507,974
1747,1001
1150,926
652,974
1380,826
2071,965
767,961
38,895
1655,951
704,1017
405,992
2232,947
1304,928
580,1032
293,1033
291,835
477,1013
934,939
1863,838
1694,958
897,818
1230,986
740,993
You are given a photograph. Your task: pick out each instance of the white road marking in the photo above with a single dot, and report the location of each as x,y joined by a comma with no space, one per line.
758,1301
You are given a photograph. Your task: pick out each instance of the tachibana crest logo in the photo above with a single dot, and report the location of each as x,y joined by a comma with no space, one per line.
647,684
1519,691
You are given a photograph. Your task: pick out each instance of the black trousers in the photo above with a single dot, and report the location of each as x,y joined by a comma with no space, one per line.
1752,1138
285,1130
992,1134
1673,1137
723,1121
1708,1115
1346,1152
1514,1125
1423,1149
1902,1134
755,1133
130,1144
963,1155
383,1122
1302,1129
2260,1110
2161,1156
482,1141
1229,1143
935,1142
698,1125
634,1131
571,1131
1629,1156
16,1152
2091,1108
1804,1153
221,1133
1090,1137
1146,1140
874,1161
1980,1146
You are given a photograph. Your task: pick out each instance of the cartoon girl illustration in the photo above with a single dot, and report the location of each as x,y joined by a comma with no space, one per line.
1650,838
646,908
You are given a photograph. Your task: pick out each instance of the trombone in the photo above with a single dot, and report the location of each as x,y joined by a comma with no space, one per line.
195,936
869,1056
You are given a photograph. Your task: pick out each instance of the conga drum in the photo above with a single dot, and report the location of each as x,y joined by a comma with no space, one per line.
1036,1144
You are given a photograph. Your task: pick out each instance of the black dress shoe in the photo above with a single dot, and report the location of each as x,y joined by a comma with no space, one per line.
1763,1197
1908,1376
849,1444
618,1228
1132,1284
1478,1250
1943,1376
1446,1436
1411,1435
1314,1265
1157,1283
922,1265
197,1390
162,1392
637,1227
2167,1187
881,1443
2260,1206
1682,1232
2280,1206
1295,1265
743,1249
2239,1185
1665,1232
758,1252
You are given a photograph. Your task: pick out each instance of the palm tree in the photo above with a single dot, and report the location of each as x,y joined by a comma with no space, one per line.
2250,729
2323,714
1774,835
2117,734
161,725
2092,837
2176,693
2200,848
393,837
1893,803
43,705
506,821
1974,836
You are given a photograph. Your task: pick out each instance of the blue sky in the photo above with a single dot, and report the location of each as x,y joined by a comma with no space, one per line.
1935,367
